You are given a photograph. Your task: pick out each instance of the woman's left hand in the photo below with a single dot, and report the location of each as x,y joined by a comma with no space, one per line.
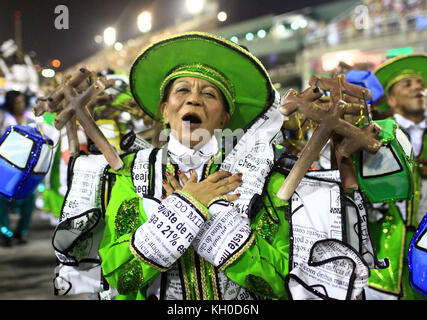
174,184
217,184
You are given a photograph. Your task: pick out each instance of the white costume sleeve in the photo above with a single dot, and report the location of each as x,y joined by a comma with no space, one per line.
223,236
171,227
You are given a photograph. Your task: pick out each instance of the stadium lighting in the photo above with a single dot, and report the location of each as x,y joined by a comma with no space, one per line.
295,25
234,39
249,36
144,21
97,38
194,6
281,29
222,16
303,23
56,63
48,73
261,33
109,36
118,46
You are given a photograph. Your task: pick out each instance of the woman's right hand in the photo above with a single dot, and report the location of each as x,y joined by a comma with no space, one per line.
215,185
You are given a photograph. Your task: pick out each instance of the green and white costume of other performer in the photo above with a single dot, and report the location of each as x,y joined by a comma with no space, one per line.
52,197
317,246
393,228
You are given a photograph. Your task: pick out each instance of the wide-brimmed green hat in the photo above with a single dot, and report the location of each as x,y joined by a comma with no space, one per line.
398,68
239,75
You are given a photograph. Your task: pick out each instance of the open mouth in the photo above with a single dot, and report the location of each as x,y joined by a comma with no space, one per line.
419,94
193,119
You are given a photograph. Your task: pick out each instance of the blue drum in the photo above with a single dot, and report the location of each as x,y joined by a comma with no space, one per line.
25,158
417,259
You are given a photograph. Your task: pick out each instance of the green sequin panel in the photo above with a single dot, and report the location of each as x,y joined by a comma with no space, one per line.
389,225
130,277
259,286
127,218
266,228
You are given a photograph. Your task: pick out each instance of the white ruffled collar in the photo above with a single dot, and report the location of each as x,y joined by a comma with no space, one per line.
187,158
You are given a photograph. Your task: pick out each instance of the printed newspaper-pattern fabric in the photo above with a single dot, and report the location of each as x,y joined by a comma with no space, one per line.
77,236
328,261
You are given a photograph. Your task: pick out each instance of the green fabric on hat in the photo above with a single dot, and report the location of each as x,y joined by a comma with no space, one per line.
409,73
394,69
250,83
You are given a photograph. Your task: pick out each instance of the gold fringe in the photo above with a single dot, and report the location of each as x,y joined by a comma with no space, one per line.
205,295
194,272
200,207
238,253
213,282
185,278
143,259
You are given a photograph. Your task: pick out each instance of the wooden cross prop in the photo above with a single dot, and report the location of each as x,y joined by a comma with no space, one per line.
330,121
70,101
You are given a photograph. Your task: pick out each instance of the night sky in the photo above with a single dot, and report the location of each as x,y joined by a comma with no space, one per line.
90,17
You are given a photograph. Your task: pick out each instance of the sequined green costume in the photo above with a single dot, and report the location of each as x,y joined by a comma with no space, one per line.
392,236
260,268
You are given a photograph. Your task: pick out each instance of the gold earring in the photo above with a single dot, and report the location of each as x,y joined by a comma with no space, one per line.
164,123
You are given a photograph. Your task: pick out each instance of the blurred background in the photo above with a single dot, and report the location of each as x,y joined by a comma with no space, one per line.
292,40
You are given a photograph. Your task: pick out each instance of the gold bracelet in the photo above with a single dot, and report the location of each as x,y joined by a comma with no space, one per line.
198,205
224,197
